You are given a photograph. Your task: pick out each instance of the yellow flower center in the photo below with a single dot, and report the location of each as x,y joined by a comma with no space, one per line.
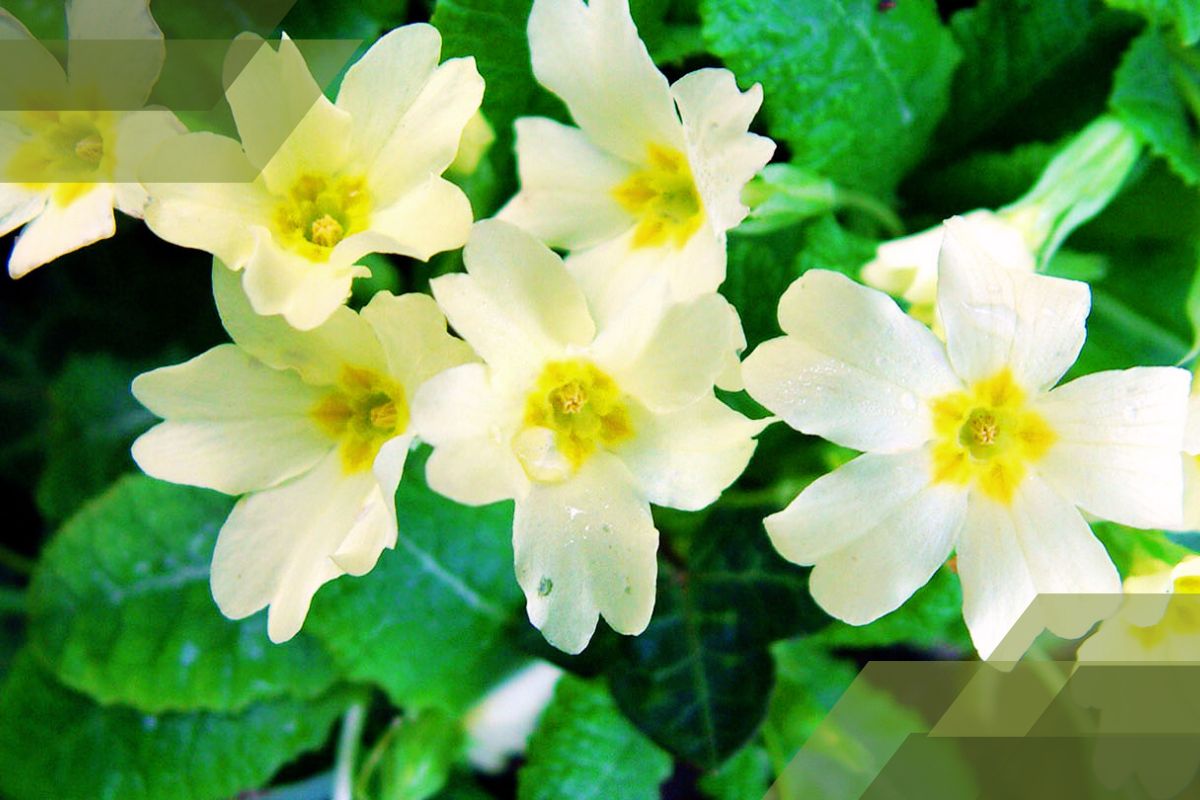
988,436
576,408
663,197
72,149
362,412
320,212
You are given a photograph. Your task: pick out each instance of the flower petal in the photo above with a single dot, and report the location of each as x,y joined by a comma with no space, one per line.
318,355
412,332
1007,555
685,459
203,195
232,424
433,217
853,368
116,49
517,306
566,196
997,317
382,85
470,426
724,155
304,292
368,538
668,355
839,508
60,229
1119,436
585,547
881,569
591,56
18,205
425,140
276,547
138,134
287,125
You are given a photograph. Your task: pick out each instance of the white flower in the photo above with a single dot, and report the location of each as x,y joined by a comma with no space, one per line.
651,180
67,160
583,425
311,426
1191,463
314,186
968,446
1158,621
908,267
499,726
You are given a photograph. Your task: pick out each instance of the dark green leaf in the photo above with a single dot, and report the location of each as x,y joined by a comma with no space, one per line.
746,774
697,680
93,419
583,749
418,755
430,623
121,609
854,91
56,743
1009,48
1151,94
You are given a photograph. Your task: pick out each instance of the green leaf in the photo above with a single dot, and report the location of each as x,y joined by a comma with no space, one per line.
1136,551
493,31
93,419
430,624
1184,15
1151,94
984,179
57,743
697,680
120,608
930,619
744,775
760,269
583,748
1010,47
853,90
418,755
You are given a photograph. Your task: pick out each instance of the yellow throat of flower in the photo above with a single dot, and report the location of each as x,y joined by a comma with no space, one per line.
573,409
362,412
319,212
664,199
73,149
987,436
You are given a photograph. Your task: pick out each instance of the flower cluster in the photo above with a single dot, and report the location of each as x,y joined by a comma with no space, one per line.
581,382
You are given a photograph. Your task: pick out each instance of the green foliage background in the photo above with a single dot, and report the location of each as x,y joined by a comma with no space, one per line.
120,679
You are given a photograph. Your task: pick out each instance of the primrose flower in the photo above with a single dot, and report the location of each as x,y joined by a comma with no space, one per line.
1158,622
908,267
311,426
72,154
296,207
583,425
968,446
651,180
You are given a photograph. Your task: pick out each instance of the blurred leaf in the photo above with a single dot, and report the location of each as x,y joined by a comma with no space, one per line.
744,775
930,619
430,623
55,743
760,269
45,20
417,758
855,91
583,748
984,179
1136,551
1009,48
829,245
120,608
93,420
697,680
1183,15
1152,93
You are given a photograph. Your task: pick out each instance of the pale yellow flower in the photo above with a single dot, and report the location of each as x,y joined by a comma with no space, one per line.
313,186
311,427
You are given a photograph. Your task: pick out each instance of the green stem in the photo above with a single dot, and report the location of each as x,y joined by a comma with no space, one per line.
347,752
860,201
